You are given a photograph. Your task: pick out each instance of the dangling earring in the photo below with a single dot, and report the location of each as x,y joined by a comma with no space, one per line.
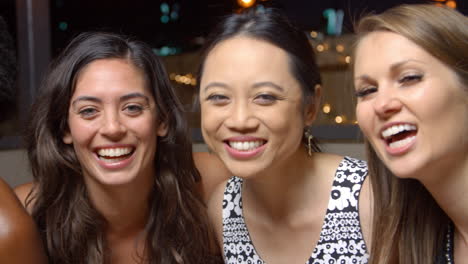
309,137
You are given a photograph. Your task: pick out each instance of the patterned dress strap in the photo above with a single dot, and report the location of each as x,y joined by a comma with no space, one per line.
341,239
238,246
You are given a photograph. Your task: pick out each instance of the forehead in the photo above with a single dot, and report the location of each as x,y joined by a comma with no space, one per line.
384,48
110,75
245,57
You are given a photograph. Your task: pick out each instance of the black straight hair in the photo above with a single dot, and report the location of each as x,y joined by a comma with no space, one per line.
272,26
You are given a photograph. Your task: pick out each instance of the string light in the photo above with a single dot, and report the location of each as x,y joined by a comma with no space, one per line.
187,79
451,4
320,48
339,119
326,108
246,3
313,34
348,59
339,48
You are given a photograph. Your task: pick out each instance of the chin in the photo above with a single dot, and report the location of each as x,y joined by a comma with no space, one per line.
115,178
406,169
245,171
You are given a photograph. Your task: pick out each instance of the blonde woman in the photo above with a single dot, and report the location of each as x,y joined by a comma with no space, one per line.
411,83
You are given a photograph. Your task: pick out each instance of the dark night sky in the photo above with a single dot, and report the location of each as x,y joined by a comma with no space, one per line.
196,17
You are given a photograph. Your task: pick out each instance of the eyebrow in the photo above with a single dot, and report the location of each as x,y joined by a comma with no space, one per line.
134,95
122,98
270,84
255,85
397,65
363,77
215,84
393,68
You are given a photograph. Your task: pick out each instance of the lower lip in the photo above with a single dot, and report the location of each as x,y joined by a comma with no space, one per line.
238,154
400,150
115,165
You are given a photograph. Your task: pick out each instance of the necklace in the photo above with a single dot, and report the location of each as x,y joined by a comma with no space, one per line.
449,244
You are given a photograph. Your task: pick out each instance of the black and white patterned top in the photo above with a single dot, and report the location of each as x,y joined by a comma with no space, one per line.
341,239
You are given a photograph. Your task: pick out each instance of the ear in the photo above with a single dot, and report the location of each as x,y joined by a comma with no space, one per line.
67,138
312,107
161,130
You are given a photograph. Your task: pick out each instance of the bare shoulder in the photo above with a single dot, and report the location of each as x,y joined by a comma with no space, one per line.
19,238
212,171
330,158
22,191
327,163
9,201
215,210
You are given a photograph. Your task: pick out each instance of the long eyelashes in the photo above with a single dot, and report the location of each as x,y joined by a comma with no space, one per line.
404,81
410,78
87,112
365,91
216,97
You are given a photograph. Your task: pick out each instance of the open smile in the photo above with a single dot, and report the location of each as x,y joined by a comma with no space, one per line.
115,157
245,148
399,137
246,145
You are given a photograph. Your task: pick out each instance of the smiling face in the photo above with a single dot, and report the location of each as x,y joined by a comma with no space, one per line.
112,122
251,106
412,108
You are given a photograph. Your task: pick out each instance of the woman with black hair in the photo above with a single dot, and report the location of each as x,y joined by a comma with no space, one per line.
259,92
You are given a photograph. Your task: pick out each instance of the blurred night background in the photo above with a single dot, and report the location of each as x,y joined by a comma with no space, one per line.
180,23
176,30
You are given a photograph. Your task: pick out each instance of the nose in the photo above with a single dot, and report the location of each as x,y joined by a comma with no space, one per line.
241,118
387,103
112,127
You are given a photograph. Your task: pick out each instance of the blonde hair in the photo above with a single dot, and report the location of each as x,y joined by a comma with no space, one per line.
405,215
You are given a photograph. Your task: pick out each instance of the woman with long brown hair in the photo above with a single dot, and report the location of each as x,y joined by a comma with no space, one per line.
411,81
114,177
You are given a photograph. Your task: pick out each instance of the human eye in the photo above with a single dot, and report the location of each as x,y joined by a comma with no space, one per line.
133,109
363,92
217,99
410,79
266,99
88,112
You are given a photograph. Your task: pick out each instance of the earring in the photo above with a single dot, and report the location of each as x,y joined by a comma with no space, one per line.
309,137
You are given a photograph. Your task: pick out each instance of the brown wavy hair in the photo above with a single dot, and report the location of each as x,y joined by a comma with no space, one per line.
408,224
177,228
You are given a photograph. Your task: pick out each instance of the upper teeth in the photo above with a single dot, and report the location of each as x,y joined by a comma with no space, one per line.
114,152
393,130
245,145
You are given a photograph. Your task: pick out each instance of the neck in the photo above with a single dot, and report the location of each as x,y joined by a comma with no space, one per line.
280,192
449,190
125,208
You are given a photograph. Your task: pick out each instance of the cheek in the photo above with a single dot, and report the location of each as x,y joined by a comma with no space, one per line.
210,119
145,128
81,132
286,125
